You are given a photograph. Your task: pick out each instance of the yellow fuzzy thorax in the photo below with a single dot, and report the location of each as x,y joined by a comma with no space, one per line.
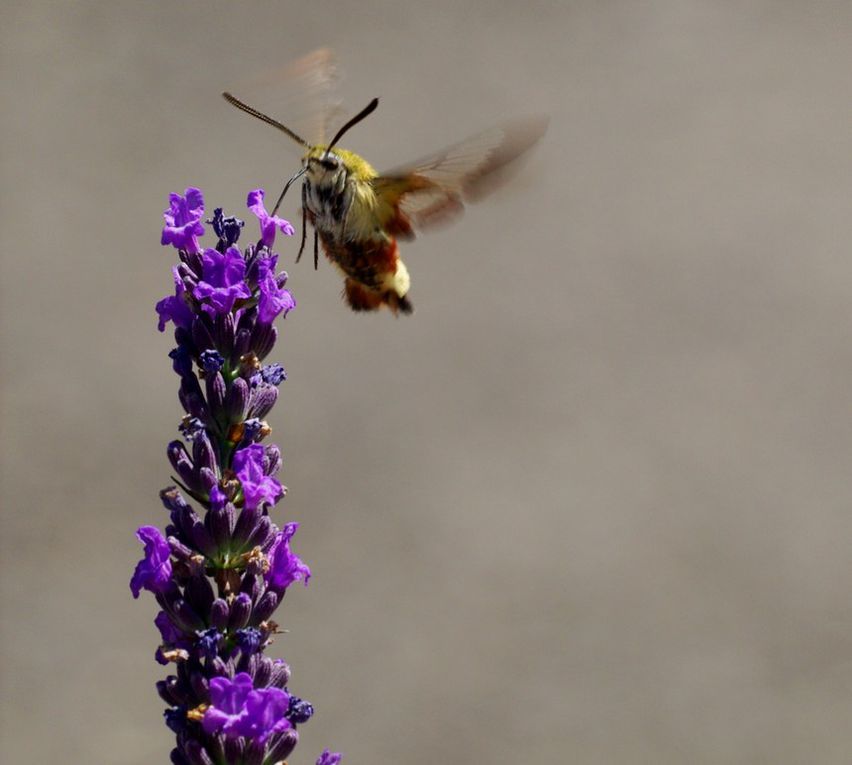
356,166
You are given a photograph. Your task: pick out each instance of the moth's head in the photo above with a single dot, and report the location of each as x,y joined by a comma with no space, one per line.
322,165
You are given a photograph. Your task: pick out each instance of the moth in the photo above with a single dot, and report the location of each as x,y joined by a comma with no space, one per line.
360,215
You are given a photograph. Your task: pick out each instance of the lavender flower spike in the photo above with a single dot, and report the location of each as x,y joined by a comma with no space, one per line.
223,567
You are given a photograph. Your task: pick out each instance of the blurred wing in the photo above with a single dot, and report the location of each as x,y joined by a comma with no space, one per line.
303,95
433,190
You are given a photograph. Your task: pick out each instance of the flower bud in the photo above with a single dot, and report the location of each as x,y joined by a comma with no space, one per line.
242,342
219,523
272,459
263,399
245,527
280,673
223,333
203,454
265,607
237,402
240,611
199,594
263,338
262,533
215,385
181,463
219,614
283,747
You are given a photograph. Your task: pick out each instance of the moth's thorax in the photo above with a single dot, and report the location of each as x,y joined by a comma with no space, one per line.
337,192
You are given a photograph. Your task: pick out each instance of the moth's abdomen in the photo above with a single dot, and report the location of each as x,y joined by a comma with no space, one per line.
375,274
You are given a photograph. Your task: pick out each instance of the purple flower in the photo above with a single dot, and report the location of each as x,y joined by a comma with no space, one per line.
211,360
174,307
154,571
249,640
273,374
268,223
191,428
237,709
227,702
181,360
285,567
257,486
299,711
226,228
208,642
329,758
222,280
183,220
251,429
273,298
265,714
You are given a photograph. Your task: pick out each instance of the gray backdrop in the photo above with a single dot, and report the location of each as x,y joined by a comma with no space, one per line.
591,503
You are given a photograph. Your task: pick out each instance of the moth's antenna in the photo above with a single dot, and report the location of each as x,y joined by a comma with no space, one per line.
365,112
263,118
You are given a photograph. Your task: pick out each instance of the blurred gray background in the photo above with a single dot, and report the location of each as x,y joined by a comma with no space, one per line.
591,503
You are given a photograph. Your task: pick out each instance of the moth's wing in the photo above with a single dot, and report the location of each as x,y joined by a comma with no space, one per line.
433,190
303,95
